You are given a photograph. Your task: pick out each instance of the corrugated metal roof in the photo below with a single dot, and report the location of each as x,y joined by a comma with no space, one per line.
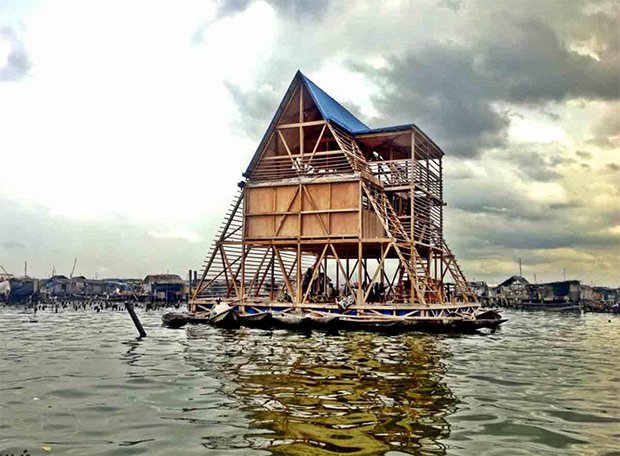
332,110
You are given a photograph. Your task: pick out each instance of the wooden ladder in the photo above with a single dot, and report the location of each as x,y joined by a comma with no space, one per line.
460,282
351,150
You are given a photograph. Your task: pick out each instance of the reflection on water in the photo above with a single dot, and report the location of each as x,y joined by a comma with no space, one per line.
82,383
355,394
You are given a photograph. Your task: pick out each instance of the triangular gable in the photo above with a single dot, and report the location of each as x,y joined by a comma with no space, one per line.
329,109
274,121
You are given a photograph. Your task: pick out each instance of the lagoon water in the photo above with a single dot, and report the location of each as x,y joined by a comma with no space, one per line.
82,383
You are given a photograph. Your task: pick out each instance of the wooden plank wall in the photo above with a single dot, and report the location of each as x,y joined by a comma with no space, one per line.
315,210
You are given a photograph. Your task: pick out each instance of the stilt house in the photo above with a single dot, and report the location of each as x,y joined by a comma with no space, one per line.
334,214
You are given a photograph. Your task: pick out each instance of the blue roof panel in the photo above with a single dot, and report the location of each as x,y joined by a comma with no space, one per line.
334,111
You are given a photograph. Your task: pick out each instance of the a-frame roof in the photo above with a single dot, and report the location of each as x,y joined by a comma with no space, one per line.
330,110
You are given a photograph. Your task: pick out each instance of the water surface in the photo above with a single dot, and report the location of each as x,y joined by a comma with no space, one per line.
80,382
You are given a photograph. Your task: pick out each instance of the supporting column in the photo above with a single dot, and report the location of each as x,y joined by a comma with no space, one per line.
360,274
298,279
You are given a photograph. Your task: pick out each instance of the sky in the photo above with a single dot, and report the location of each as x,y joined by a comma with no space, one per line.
125,126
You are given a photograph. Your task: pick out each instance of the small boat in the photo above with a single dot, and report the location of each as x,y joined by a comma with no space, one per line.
291,320
318,320
255,320
174,320
374,324
306,321
224,316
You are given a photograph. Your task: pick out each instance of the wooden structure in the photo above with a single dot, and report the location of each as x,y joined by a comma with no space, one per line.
336,216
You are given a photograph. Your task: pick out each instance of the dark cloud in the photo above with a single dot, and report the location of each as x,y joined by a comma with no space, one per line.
551,115
301,10
583,154
455,169
453,5
598,29
613,167
12,245
535,165
452,90
606,132
18,62
232,7
525,60
488,236
257,107
438,86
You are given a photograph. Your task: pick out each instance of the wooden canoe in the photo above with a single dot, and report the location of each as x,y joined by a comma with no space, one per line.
255,320
174,320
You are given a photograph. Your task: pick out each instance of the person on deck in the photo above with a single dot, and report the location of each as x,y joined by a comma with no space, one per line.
305,283
331,292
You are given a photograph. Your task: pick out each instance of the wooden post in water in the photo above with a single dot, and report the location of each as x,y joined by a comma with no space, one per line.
189,292
134,317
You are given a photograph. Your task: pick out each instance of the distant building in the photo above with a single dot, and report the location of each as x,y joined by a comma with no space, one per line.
78,285
513,290
164,287
481,290
58,285
515,282
5,287
566,290
588,295
608,295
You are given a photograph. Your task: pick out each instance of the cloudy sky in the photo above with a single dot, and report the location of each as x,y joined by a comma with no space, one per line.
125,126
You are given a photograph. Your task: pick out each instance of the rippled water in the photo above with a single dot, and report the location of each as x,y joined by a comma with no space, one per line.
82,383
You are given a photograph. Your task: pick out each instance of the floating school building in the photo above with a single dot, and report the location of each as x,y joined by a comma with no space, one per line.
336,216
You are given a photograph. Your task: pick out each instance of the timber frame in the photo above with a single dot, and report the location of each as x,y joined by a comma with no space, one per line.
327,199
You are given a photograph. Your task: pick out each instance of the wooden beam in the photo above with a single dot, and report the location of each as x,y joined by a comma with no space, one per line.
344,273
315,270
233,278
288,208
313,204
377,271
284,274
258,269
318,141
360,291
301,124
288,151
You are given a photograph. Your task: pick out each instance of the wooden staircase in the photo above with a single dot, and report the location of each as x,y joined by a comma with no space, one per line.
351,150
416,267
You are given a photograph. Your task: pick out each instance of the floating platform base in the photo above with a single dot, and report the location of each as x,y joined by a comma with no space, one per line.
450,317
